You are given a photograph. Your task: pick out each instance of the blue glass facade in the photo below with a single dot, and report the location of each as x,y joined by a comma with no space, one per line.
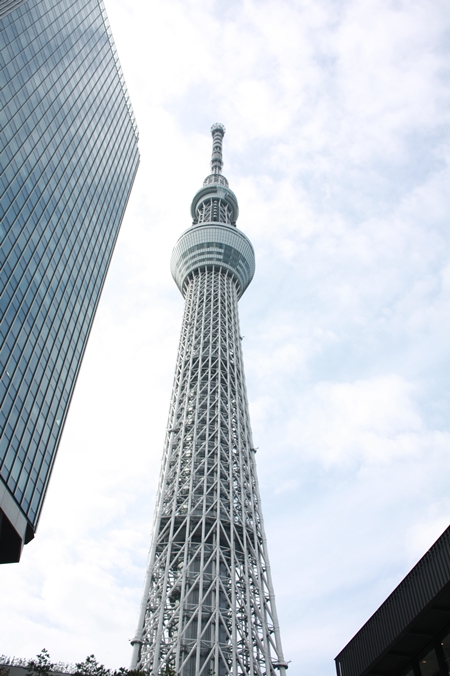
68,159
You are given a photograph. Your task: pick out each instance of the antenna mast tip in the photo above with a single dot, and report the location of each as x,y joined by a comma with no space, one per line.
218,127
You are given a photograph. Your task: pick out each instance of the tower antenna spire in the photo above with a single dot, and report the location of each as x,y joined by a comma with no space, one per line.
218,132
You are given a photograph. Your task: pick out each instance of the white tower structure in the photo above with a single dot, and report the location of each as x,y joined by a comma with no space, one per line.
208,607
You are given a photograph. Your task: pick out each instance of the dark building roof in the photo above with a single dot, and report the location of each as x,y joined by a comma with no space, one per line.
404,624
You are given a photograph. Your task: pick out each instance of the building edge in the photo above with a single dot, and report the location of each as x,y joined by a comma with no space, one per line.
407,623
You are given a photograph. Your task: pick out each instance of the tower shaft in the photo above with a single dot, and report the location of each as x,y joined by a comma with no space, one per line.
208,605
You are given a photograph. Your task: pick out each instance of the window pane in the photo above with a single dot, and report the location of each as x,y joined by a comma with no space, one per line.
429,665
445,643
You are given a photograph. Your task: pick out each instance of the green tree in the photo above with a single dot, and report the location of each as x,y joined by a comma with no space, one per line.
90,667
4,670
132,672
41,666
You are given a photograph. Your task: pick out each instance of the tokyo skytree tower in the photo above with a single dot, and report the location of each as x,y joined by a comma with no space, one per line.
208,607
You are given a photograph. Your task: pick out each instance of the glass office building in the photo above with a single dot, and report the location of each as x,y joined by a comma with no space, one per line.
69,156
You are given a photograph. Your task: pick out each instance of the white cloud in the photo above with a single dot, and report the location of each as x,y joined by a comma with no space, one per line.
365,421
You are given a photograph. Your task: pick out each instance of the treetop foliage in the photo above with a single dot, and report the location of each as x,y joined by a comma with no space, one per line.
42,666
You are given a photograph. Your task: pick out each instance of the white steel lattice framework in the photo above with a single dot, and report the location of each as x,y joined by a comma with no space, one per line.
208,607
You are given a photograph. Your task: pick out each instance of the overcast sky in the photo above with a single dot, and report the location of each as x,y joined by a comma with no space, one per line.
337,148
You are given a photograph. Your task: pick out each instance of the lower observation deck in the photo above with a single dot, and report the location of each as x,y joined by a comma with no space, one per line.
211,245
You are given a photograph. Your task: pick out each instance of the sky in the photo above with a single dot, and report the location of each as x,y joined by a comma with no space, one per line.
337,147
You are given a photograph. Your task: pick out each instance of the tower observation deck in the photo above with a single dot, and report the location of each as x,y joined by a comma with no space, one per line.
208,606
